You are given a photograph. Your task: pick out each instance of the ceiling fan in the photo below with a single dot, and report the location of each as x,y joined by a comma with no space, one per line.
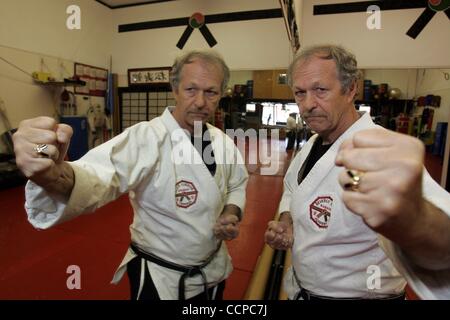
431,7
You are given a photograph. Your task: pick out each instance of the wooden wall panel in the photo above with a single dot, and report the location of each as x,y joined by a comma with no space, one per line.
280,91
262,84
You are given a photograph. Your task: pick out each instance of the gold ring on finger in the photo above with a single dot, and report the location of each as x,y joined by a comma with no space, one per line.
356,176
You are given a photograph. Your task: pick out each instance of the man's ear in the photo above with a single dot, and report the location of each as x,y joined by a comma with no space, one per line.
175,93
351,92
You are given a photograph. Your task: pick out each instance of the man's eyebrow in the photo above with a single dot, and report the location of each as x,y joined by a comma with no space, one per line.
212,88
196,85
315,84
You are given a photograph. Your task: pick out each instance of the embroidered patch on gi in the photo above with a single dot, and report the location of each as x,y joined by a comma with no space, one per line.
185,194
320,211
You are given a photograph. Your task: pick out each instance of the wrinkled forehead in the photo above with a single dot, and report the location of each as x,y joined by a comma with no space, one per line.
202,73
315,68
210,66
321,58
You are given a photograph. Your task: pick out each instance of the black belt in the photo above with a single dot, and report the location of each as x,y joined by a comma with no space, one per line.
308,295
188,271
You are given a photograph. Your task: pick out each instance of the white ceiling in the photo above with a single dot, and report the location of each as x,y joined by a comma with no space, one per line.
121,3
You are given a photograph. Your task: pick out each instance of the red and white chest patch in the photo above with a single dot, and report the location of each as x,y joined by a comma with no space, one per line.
185,194
320,211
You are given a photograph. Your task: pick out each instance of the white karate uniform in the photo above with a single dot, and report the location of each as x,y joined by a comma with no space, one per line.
175,203
335,253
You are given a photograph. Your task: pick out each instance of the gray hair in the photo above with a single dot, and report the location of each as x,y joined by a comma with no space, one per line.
208,56
346,65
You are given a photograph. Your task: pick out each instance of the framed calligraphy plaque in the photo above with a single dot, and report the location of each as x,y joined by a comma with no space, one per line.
149,76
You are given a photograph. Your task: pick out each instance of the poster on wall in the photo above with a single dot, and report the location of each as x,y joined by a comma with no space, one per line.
96,80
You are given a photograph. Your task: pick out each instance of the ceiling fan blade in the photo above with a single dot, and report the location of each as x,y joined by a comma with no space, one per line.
363,5
208,36
184,37
343,7
211,18
421,23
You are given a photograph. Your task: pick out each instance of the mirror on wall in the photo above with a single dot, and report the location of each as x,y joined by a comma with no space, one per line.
411,101
408,92
414,102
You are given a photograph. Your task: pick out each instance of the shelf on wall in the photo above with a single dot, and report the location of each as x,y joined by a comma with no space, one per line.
65,83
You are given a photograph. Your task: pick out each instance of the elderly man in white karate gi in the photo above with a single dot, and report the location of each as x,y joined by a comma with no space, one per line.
337,221
188,194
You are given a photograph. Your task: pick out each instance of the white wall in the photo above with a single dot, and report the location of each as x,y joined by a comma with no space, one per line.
240,77
389,47
32,31
417,82
403,79
22,97
245,45
432,81
40,26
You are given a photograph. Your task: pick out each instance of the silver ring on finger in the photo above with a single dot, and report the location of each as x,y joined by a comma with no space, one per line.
40,148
